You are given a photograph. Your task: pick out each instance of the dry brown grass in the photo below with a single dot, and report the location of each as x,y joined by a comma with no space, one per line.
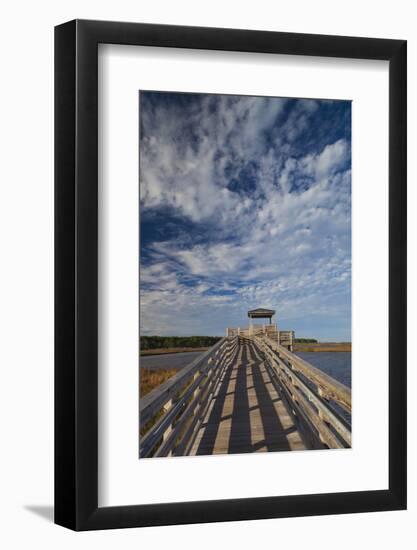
151,378
323,346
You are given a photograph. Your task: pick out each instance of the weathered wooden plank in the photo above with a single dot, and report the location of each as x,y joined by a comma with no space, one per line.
253,417
326,435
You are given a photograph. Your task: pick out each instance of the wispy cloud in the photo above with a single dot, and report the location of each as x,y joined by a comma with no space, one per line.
245,202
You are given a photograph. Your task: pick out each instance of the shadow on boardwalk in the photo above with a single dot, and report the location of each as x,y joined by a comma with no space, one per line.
247,414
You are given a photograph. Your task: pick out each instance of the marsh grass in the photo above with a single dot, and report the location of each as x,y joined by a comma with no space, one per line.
322,346
150,379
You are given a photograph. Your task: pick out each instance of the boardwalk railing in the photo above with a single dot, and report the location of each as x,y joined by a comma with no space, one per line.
170,414
283,337
321,403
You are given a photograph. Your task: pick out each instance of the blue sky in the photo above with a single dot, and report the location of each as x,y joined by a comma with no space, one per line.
244,202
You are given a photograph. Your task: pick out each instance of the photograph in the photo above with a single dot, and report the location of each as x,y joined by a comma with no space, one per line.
245,274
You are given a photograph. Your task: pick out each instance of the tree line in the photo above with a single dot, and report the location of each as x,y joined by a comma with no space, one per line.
159,342
305,341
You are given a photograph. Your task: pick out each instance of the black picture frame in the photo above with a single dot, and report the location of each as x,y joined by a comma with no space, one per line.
76,272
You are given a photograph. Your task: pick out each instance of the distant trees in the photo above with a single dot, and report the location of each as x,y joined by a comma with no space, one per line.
163,342
159,342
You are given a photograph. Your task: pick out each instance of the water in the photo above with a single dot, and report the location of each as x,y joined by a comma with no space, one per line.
334,363
168,360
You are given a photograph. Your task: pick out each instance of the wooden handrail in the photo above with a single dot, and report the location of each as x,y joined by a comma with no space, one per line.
328,386
174,408
309,391
152,402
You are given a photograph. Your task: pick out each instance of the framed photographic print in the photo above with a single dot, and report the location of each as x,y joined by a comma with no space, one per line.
230,275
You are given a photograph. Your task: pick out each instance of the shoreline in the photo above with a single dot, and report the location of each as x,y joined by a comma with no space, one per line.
316,347
166,351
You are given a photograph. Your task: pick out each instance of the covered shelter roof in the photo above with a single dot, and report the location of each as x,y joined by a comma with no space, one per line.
261,313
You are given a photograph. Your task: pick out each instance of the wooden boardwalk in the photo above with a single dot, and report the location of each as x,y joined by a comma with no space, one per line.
245,394
246,413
